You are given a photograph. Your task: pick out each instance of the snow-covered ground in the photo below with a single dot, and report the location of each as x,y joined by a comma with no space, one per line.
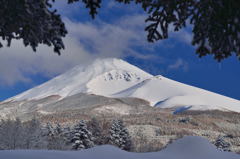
117,78
186,148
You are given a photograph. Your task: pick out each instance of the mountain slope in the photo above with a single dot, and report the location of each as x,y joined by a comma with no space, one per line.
102,77
165,93
117,78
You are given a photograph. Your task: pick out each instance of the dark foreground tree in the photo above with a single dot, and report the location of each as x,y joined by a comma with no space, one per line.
215,23
32,21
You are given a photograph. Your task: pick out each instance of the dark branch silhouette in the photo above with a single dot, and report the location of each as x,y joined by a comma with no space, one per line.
215,23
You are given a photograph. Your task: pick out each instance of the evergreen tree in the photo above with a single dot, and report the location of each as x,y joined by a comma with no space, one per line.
49,131
222,145
119,135
81,137
58,129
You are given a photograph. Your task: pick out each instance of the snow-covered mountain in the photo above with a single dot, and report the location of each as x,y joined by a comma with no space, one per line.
102,77
116,78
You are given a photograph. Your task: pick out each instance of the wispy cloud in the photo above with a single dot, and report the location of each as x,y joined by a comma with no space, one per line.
184,35
84,42
179,64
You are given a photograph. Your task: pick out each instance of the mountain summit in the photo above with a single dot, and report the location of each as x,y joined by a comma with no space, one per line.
102,77
116,78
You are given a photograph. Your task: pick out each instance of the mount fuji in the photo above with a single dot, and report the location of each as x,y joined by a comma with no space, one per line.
116,78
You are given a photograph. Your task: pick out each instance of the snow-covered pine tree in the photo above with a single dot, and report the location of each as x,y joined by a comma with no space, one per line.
119,135
48,130
58,129
81,137
222,145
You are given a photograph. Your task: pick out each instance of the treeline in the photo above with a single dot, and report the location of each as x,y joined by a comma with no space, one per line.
15,134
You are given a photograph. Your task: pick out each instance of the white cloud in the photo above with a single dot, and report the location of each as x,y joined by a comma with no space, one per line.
179,64
183,35
84,42
113,4
17,63
68,10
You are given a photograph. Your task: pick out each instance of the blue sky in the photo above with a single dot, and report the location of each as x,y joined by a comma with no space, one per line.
118,31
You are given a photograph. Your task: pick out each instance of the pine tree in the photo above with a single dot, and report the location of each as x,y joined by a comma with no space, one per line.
82,137
49,131
119,135
58,129
222,145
